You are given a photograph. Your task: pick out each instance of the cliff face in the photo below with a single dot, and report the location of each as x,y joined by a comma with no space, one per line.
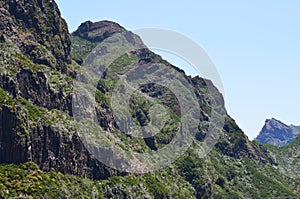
48,138
38,30
36,85
277,133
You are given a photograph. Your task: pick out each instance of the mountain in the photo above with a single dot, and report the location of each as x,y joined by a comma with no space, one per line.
277,133
43,153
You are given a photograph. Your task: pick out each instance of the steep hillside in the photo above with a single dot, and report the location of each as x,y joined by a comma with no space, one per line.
287,158
234,142
36,91
43,152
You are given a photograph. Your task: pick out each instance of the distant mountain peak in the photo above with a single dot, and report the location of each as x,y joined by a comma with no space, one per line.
274,124
277,133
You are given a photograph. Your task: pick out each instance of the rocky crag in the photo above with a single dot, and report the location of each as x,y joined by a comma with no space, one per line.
277,133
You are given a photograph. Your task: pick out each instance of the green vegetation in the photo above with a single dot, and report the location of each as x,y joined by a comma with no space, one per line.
43,56
235,178
121,65
224,177
59,81
25,62
34,112
5,98
287,157
101,98
27,181
81,48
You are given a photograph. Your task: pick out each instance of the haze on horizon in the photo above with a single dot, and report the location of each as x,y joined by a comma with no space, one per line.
254,45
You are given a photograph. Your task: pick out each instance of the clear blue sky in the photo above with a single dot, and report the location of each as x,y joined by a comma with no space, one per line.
255,46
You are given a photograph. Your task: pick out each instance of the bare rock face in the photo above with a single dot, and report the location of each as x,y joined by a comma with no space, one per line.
98,31
46,146
38,29
35,43
12,149
277,133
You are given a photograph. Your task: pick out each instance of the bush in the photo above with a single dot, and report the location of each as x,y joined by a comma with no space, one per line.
221,182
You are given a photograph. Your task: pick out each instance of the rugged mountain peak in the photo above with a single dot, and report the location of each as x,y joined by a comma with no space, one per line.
273,124
98,31
36,27
277,133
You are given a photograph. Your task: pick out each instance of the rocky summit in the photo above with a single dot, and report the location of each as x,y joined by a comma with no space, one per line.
38,30
277,133
43,153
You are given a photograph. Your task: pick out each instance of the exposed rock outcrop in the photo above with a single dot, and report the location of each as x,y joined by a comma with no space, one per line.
37,28
97,32
277,133
23,141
